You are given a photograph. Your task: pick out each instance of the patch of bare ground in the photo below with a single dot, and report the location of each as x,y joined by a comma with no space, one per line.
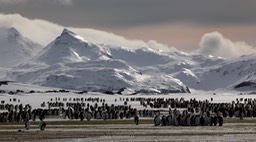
234,130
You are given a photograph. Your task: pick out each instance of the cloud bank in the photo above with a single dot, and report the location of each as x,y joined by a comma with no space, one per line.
62,2
11,1
44,32
216,44
65,2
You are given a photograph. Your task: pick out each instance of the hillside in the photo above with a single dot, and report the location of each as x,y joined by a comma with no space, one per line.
15,48
71,62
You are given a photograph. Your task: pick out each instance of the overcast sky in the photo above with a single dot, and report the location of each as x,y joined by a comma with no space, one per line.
178,23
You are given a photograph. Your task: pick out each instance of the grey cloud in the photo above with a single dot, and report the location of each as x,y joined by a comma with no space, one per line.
65,2
122,13
11,1
44,32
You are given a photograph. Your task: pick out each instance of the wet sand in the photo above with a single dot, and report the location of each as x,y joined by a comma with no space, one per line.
130,132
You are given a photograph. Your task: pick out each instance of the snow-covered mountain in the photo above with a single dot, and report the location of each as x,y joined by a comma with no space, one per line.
15,48
236,73
213,73
195,71
69,48
73,63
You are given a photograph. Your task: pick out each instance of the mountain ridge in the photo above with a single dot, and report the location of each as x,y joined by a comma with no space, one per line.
15,48
71,62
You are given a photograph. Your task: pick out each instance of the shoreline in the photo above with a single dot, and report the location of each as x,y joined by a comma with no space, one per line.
128,132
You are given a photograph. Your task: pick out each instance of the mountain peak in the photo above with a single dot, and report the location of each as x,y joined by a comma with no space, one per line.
70,47
13,32
68,36
66,31
15,48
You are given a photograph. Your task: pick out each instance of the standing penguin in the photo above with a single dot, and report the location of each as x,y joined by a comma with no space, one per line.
42,124
157,120
202,120
169,120
136,120
220,120
88,115
26,120
163,120
81,115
